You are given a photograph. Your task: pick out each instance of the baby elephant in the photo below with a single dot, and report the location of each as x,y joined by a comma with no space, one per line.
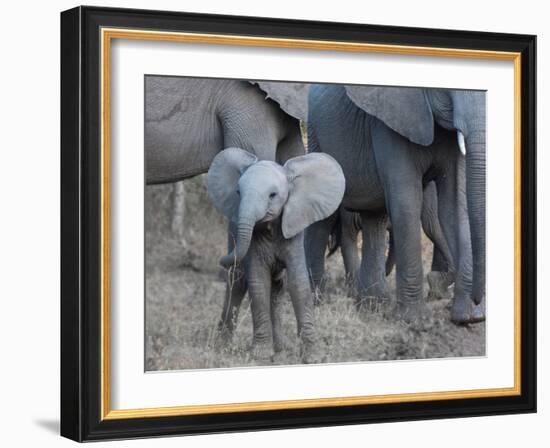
269,206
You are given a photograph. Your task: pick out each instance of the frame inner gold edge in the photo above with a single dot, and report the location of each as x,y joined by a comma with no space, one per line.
107,34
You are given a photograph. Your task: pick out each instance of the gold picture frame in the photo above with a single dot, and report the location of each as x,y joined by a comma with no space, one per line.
118,26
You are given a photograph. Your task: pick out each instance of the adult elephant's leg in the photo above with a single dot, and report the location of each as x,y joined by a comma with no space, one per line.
235,290
453,216
439,260
350,230
404,209
315,244
292,145
251,123
441,276
400,167
371,281
442,259
237,133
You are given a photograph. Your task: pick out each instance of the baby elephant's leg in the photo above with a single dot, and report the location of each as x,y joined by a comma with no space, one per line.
302,302
259,290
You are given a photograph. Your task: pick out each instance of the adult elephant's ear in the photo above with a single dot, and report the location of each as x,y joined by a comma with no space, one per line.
405,110
223,178
291,96
317,186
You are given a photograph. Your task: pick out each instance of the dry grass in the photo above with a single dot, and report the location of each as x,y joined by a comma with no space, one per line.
184,297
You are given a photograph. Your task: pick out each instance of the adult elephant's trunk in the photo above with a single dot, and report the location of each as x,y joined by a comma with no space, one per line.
248,217
475,190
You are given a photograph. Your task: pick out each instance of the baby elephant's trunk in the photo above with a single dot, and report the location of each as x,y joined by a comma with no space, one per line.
245,226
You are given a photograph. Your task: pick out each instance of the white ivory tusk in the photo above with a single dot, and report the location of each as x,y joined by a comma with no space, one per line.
461,142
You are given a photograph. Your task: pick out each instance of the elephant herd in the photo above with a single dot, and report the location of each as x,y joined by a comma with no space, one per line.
378,160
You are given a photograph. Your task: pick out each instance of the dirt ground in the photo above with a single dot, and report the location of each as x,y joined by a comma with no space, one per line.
184,297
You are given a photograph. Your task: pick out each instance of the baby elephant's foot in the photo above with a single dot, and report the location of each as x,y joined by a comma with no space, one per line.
439,283
262,351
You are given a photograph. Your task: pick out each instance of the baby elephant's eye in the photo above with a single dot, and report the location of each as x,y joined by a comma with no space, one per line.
238,192
272,195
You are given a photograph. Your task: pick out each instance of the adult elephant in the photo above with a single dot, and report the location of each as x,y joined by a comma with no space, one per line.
188,121
414,114
385,175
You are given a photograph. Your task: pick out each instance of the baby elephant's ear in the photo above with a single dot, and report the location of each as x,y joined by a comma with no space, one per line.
316,188
223,178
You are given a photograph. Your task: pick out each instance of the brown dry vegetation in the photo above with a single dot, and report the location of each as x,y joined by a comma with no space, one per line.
184,297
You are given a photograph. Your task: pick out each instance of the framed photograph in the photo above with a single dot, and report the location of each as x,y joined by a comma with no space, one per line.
273,224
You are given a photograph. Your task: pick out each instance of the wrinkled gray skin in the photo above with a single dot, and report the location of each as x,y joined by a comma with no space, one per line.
188,121
442,274
442,271
270,205
414,114
341,230
385,175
